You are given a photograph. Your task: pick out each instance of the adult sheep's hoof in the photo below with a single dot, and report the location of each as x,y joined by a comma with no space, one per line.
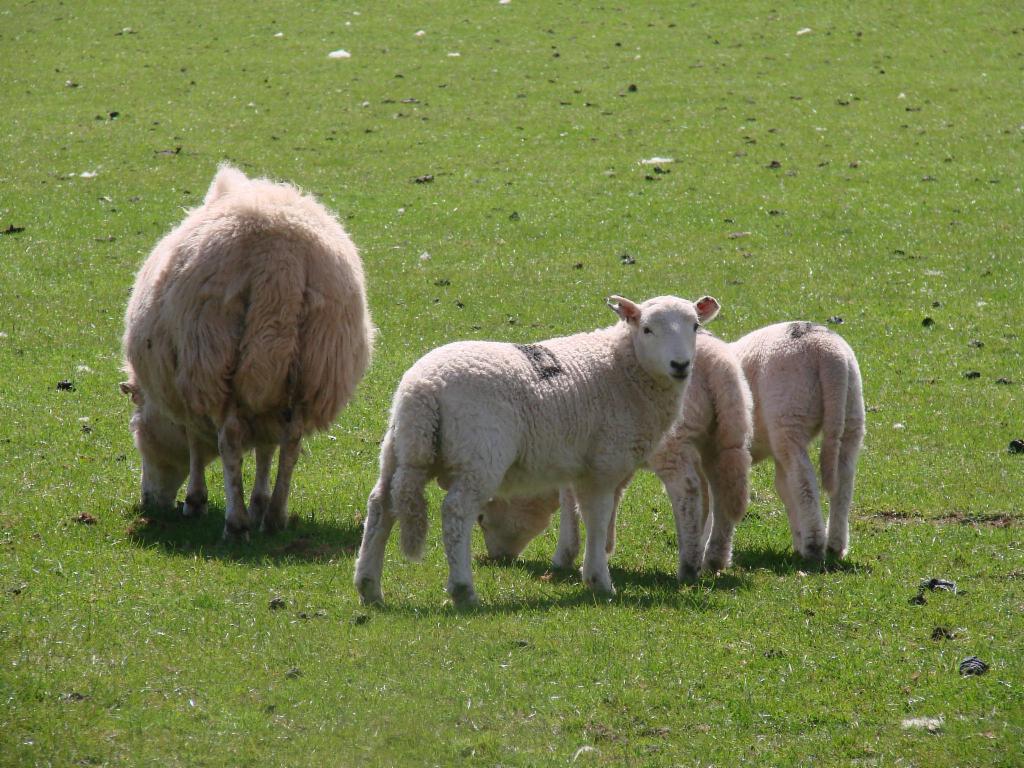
369,592
273,523
463,596
813,554
258,506
234,533
836,554
687,574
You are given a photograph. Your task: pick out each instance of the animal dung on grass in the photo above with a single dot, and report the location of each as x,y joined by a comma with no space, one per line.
973,666
247,328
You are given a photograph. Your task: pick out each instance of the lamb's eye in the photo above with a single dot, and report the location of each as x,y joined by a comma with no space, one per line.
647,330
696,326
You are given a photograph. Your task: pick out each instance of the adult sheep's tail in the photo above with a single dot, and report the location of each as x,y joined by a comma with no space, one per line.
414,431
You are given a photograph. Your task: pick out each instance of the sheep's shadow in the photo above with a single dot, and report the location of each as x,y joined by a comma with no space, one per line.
305,539
786,562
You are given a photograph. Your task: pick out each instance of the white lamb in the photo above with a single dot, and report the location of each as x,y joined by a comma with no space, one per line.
706,449
247,327
805,380
490,419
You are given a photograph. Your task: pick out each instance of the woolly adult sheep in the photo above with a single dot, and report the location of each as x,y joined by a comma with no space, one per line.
247,327
805,380
706,449
490,419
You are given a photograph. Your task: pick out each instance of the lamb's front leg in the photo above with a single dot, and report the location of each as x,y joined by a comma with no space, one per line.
596,507
196,493
568,531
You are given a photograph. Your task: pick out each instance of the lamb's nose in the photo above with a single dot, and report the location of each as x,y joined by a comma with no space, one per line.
680,368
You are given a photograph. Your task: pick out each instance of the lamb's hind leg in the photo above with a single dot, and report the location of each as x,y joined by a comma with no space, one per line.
380,519
798,486
230,439
842,495
196,494
259,498
461,507
568,531
291,444
728,476
679,472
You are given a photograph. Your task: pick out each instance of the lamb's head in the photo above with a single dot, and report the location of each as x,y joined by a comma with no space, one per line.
664,332
509,525
163,446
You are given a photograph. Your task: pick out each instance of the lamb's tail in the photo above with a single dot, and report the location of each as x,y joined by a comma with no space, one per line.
835,379
414,433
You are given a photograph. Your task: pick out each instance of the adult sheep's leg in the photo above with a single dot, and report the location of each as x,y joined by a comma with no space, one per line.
568,531
230,439
196,494
259,499
842,495
680,474
728,476
596,507
291,444
459,511
798,487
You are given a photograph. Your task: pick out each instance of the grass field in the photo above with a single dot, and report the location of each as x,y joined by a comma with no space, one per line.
868,169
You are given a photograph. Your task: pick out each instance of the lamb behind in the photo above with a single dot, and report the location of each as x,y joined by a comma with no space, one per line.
491,419
805,380
247,327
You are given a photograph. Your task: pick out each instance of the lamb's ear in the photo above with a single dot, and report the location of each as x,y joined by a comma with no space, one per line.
625,309
132,389
228,177
707,309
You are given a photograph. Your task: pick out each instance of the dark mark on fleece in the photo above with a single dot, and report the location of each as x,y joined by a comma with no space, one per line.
543,361
796,330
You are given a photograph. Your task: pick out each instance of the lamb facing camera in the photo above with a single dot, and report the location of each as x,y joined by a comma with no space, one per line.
496,420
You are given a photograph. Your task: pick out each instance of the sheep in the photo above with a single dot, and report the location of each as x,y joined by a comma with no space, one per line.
707,448
247,327
498,420
804,380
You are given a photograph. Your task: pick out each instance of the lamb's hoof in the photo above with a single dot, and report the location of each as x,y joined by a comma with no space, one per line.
258,506
273,524
687,574
836,554
713,566
369,592
194,507
463,596
563,561
234,533
601,587
814,554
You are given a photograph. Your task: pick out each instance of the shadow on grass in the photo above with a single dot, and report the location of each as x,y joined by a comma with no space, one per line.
787,562
304,540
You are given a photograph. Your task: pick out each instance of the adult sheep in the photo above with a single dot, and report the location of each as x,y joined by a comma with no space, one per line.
247,327
706,449
495,420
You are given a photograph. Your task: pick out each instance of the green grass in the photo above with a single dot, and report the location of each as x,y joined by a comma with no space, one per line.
898,132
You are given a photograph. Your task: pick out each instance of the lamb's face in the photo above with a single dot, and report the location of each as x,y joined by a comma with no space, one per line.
664,333
164,450
509,525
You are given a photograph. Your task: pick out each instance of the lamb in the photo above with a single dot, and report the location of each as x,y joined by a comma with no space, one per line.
497,420
247,327
706,448
804,380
